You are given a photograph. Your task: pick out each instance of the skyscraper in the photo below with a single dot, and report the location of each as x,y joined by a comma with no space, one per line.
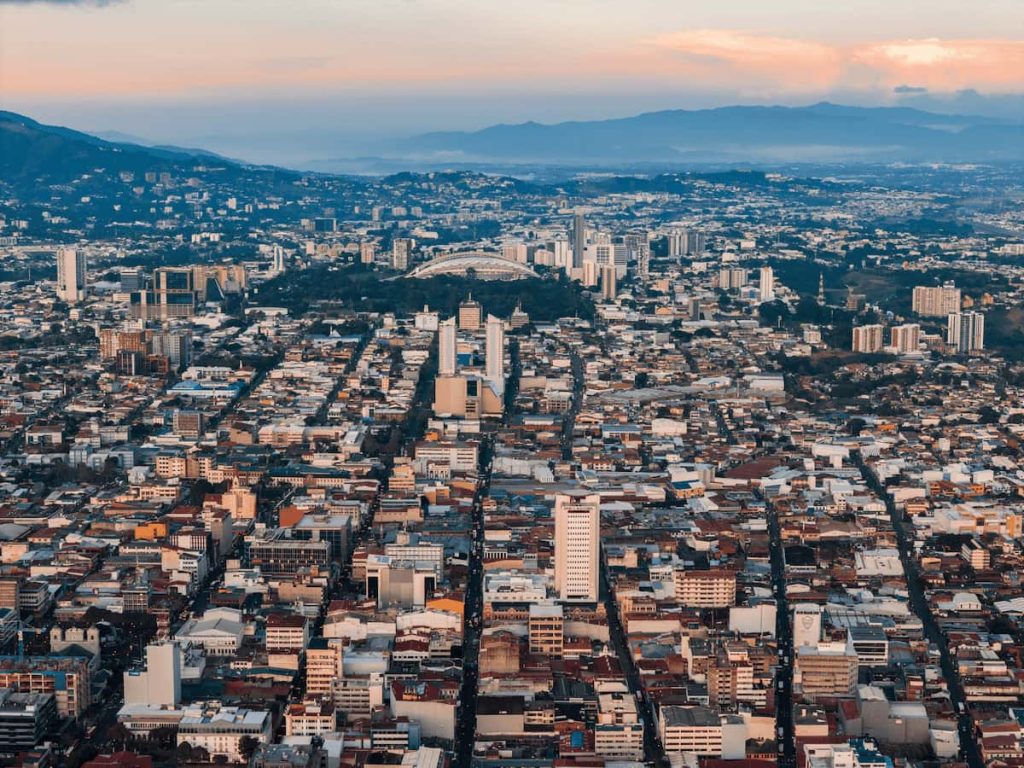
495,353
446,352
579,240
71,275
401,252
279,264
965,331
577,546
766,285
608,280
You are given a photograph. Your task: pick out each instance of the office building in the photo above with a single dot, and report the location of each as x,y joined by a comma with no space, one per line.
220,729
965,332
697,730
766,284
367,253
867,339
471,315
936,300
579,240
608,282
159,682
495,354
828,669
905,338
401,253
705,589
547,630
71,275
25,719
446,348
577,545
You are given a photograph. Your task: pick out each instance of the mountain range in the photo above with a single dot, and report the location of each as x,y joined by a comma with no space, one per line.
31,152
822,133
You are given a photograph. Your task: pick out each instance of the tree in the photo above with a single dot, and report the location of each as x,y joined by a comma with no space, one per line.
247,746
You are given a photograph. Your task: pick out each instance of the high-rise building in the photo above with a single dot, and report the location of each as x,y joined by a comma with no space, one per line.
867,339
732,277
579,240
160,683
936,300
905,338
965,331
471,315
495,353
446,348
577,545
401,252
367,253
608,282
279,264
766,284
71,275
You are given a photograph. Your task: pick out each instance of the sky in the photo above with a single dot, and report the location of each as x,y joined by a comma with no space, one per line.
295,81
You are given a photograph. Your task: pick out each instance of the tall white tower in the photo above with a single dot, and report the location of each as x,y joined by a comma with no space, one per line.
71,275
766,286
577,547
495,352
446,351
279,265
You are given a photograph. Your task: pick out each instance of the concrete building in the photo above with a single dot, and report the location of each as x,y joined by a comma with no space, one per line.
71,275
219,729
577,547
867,339
766,284
965,332
495,354
159,682
547,630
936,300
447,357
905,338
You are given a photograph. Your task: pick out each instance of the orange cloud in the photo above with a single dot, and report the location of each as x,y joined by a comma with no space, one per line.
748,61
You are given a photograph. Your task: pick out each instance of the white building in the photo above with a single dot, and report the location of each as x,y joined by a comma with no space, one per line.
577,547
160,683
495,353
965,331
220,730
766,284
71,275
446,348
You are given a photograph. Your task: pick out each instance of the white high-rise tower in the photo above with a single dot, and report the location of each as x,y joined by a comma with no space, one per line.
766,285
446,350
71,275
577,547
495,353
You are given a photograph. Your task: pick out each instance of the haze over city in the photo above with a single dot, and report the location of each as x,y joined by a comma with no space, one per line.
293,83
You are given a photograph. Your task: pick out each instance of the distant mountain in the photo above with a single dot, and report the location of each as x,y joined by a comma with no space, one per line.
818,133
32,150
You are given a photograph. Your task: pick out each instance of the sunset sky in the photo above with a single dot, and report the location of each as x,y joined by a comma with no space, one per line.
280,78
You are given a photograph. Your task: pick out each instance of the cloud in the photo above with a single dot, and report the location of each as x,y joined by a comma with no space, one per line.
753,61
909,89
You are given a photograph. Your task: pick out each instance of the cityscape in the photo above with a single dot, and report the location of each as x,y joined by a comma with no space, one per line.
520,460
